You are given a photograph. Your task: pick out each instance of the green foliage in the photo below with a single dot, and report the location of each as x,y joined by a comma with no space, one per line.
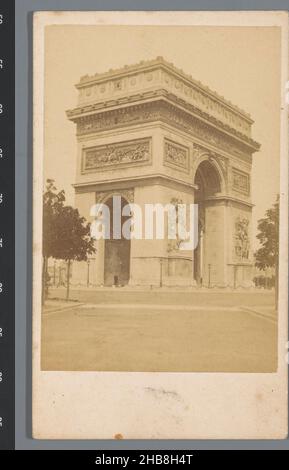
73,240
267,282
66,235
53,203
267,254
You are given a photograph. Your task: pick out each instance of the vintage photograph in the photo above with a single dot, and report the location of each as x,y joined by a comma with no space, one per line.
160,225
160,198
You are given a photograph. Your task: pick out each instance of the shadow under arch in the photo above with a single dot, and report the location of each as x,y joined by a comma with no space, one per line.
209,183
116,250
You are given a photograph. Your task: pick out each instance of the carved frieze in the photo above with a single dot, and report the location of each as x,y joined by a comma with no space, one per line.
240,181
174,243
120,154
200,98
162,111
202,131
242,239
176,155
117,118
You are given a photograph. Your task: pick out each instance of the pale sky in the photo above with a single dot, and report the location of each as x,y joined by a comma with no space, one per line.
240,63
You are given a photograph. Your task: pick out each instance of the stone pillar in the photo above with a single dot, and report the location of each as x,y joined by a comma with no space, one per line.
215,245
84,202
153,262
240,259
147,264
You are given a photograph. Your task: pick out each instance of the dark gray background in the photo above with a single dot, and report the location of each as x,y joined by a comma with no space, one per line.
23,25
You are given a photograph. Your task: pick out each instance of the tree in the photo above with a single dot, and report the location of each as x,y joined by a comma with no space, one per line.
267,256
73,240
66,235
53,203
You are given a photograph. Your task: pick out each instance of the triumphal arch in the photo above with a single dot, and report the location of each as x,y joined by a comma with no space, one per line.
150,133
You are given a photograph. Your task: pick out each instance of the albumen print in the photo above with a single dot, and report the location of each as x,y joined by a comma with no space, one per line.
159,212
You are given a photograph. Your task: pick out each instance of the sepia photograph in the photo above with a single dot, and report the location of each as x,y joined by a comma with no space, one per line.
149,129
158,197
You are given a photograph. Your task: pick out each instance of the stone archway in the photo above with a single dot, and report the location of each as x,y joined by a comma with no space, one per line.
116,252
208,184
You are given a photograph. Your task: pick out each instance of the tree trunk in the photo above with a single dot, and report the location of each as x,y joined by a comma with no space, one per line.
68,279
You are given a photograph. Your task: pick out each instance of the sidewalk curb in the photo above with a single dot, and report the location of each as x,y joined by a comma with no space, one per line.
260,314
67,307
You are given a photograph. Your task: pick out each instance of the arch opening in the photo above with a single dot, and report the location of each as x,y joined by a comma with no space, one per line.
208,182
116,250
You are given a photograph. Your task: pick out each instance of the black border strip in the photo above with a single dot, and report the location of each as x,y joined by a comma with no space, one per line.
7,224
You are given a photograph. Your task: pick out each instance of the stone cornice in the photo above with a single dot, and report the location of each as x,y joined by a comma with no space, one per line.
131,84
142,66
127,183
229,200
110,104
156,179
166,108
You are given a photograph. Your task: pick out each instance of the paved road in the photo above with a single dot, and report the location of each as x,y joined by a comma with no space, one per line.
167,297
210,337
